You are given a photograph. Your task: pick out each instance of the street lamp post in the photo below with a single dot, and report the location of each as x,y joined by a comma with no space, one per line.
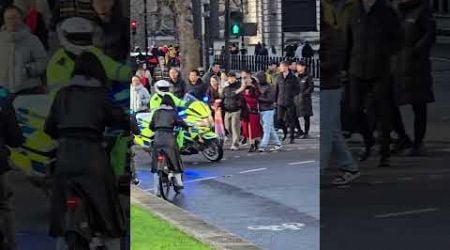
145,29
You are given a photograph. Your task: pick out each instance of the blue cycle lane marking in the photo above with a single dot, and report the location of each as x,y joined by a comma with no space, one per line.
35,240
146,177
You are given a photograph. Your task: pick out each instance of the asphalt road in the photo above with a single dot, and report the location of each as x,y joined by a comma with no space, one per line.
270,199
251,194
405,206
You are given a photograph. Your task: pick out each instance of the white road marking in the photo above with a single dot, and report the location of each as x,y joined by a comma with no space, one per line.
253,170
202,179
237,156
282,227
405,178
410,212
300,163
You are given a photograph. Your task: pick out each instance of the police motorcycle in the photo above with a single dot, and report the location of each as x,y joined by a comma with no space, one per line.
36,157
196,113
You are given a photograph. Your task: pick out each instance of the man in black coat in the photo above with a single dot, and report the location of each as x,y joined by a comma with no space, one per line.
214,71
371,38
10,135
196,86
287,88
179,85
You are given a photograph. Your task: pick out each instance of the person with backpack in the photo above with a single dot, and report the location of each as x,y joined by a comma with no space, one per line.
163,121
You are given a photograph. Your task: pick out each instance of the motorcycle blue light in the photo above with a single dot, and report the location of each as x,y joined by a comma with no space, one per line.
205,99
181,113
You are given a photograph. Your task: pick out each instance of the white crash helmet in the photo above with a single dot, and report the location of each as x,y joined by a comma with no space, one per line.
78,34
162,87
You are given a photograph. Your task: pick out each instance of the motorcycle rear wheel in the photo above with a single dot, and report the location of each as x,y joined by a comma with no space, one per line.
76,242
164,186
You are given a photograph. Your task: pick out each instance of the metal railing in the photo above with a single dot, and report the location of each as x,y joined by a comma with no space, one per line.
261,63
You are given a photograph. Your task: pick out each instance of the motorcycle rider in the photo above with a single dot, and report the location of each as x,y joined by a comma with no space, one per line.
10,135
163,121
77,35
77,120
163,88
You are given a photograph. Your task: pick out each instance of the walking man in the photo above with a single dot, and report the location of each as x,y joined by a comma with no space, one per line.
371,38
287,88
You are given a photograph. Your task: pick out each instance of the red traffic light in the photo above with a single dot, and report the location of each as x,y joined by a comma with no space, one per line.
133,24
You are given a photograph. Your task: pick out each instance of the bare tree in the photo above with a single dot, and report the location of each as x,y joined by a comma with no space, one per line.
189,46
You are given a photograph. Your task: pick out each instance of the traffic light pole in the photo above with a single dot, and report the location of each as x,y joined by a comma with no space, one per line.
242,36
227,36
145,28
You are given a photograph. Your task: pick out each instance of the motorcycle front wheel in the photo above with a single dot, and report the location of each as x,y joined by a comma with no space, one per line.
214,151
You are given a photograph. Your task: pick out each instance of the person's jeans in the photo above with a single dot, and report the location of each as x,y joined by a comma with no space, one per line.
233,126
7,228
331,139
270,136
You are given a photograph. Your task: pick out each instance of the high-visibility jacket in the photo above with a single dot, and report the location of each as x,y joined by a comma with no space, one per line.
156,99
62,63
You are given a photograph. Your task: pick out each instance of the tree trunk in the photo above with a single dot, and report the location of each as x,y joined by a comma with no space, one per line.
159,16
189,46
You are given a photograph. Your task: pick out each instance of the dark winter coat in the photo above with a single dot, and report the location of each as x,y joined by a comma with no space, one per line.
179,87
232,102
266,98
77,119
10,134
207,77
307,51
303,101
331,51
198,90
163,122
213,95
286,89
371,39
412,67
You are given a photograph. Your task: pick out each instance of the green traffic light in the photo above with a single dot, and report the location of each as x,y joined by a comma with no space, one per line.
235,30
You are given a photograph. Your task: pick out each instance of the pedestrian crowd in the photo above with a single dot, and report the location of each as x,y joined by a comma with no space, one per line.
375,57
164,57
247,108
91,55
